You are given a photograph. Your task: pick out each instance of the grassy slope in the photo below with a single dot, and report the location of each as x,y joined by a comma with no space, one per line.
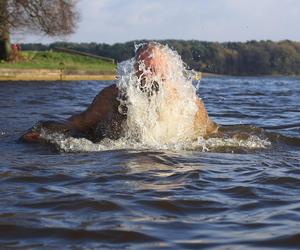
57,60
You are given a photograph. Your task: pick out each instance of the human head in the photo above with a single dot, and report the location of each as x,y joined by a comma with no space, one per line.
150,65
150,59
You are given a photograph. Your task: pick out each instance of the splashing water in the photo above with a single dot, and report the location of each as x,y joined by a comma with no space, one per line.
232,145
161,119
165,116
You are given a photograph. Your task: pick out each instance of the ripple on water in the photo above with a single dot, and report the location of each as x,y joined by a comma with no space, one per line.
116,236
184,206
73,204
226,195
245,192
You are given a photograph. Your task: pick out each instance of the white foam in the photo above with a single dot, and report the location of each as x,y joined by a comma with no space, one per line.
70,144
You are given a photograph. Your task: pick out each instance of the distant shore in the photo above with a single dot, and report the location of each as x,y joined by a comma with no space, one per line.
9,74
53,75
209,75
205,75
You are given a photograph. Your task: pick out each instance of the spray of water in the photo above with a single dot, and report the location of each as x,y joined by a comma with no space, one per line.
164,116
160,109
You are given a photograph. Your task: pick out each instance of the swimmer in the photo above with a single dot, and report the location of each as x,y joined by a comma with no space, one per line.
105,116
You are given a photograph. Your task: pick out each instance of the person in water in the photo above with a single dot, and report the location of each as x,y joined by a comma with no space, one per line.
105,116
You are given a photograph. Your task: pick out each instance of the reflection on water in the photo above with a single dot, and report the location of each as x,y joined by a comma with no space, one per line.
230,196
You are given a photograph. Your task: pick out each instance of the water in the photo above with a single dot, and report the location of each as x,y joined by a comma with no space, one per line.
237,192
151,114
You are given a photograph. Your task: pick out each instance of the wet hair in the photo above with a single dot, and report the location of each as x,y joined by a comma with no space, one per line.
154,86
144,46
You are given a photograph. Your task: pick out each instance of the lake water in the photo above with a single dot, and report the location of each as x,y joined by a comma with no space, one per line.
239,192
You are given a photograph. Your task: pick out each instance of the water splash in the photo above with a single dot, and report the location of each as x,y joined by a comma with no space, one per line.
232,145
161,119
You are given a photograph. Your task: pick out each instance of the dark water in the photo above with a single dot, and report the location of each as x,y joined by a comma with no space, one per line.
153,199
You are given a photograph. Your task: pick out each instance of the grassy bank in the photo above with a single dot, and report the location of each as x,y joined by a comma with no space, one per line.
51,60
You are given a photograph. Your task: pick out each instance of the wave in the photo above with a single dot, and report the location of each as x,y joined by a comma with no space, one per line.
285,126
17,232
241,142
230,139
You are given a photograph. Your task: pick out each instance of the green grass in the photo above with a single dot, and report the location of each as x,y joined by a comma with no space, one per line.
58,60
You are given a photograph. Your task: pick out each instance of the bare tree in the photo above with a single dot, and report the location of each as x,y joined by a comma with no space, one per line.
50,17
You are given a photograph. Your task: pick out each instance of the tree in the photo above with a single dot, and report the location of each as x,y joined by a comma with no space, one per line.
52,18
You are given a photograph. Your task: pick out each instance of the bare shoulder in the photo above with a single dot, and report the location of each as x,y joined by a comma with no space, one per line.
103,104
108,92
203,120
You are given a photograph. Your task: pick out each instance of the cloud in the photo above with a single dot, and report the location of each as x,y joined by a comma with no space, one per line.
215,20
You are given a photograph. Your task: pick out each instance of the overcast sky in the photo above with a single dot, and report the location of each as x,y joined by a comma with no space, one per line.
112,21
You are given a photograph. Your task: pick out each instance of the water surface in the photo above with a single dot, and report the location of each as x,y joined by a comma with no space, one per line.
147,198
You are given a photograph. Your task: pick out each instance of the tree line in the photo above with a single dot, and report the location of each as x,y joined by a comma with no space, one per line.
230,58
59,17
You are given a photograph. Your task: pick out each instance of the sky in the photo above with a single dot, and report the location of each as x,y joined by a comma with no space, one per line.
111,21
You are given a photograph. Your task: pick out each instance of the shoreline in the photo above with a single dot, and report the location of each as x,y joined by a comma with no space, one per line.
212,75
7,74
